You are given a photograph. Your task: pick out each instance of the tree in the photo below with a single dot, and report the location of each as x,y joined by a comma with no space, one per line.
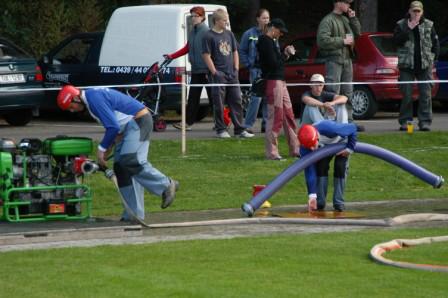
368,14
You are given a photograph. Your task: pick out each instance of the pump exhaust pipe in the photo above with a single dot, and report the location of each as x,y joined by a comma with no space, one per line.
89,167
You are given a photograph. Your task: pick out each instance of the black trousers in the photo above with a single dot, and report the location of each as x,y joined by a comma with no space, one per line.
194,97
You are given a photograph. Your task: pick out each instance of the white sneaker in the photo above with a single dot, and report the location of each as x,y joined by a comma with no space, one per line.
245,135
223,135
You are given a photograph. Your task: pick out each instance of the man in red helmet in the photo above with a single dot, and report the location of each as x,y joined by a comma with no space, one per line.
128,125
316,175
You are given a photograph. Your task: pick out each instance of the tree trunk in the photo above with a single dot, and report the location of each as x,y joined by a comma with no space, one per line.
368,15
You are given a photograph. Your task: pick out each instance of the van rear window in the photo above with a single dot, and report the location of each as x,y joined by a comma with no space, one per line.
385,44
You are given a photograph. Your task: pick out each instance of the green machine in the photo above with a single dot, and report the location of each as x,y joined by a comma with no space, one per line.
42,181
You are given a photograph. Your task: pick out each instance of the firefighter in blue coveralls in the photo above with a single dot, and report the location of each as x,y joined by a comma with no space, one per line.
128,125
316,175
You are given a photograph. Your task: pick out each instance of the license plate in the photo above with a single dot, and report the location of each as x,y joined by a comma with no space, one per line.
12,78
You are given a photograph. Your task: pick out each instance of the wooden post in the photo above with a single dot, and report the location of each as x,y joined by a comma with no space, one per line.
184,110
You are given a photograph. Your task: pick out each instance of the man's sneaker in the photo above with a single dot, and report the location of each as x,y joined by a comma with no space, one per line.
278,158
245,135
179,126
169,194
425,128
249,130
223,135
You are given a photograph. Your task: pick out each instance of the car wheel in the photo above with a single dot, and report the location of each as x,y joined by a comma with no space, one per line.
202,112
363,102
19,117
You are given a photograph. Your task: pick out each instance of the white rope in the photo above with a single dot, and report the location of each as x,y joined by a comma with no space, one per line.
15,90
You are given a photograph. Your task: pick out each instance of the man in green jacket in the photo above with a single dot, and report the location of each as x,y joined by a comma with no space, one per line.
418,47
336,41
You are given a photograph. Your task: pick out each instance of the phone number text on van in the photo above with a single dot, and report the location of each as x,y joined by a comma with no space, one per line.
124,69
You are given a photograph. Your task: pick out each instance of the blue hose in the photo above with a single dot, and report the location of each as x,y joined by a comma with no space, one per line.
309,159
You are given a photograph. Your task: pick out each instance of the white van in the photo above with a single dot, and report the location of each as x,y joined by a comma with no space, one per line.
138,36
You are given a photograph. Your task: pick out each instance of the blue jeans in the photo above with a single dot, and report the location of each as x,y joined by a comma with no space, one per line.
134,172
254,103
312,114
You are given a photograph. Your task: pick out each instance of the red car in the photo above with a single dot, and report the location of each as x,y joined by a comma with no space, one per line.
376,61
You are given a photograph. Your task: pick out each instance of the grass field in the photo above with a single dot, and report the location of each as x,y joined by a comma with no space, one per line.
220,173
309,265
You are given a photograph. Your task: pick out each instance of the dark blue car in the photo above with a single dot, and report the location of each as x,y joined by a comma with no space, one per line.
19,75
442,71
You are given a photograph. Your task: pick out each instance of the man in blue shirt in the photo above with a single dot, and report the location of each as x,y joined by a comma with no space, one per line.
128,125
316,175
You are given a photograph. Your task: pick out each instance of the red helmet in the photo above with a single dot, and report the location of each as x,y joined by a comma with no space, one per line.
66,95
308,136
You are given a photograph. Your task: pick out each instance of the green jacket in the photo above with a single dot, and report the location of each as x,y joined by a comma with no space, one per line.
405,39
331,33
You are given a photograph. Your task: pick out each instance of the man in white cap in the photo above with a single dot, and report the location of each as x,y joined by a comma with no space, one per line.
320,104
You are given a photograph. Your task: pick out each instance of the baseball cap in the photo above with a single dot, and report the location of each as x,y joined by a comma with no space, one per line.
317,78
279,24
416,5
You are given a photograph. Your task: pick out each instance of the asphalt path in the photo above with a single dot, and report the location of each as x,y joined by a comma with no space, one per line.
61,124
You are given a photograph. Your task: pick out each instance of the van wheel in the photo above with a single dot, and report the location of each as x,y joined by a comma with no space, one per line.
363,102
202,113
19,117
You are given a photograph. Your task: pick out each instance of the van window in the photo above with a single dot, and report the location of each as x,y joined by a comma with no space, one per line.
75,52
189,24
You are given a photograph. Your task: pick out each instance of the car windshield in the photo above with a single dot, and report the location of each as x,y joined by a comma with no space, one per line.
385,44
8,51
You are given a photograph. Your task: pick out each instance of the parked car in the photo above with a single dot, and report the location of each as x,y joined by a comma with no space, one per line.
375,62
442,71
18,70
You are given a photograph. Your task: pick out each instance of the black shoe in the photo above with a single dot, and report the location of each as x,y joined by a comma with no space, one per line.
169,194
339,208
425,128
320,207
360,127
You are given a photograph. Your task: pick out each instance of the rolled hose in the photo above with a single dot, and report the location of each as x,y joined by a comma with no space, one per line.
376,253
251,206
